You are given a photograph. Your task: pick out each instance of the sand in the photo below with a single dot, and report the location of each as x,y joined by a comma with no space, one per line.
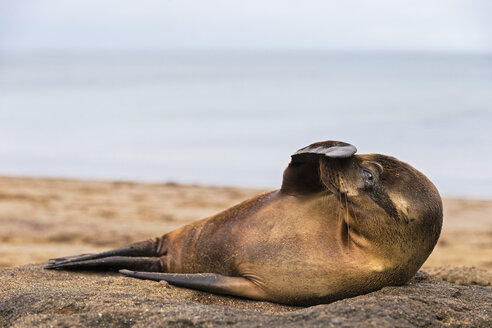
33,297
43,218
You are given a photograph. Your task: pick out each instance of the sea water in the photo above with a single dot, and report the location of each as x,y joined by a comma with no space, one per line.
235,118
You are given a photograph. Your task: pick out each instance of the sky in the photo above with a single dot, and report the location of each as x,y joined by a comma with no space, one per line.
349,25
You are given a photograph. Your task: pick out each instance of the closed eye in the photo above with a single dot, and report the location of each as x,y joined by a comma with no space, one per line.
367,177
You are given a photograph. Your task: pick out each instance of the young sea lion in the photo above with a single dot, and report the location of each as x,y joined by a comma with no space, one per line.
341,225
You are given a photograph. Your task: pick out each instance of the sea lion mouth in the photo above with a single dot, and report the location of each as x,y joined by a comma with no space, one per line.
381,197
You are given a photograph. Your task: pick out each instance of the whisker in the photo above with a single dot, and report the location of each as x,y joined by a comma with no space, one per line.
340,206
347,219
356,219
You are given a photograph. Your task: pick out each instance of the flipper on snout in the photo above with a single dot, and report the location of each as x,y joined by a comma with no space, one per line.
208,282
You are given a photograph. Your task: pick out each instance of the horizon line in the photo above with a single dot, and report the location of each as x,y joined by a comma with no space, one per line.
236,51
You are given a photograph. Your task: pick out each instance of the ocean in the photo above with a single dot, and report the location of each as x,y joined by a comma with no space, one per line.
235,118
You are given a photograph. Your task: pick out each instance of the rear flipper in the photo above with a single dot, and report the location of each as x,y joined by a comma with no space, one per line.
136,256
209,282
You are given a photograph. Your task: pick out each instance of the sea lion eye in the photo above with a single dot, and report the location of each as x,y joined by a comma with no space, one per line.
367,176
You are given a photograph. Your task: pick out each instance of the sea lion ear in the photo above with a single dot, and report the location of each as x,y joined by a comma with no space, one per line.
302,174
332,149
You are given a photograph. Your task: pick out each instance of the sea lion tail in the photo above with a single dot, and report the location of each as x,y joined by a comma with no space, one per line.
137,255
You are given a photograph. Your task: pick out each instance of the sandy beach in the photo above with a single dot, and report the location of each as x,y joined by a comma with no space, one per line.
43,218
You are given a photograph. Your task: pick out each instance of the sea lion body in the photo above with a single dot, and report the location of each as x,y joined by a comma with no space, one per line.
325,235
290,259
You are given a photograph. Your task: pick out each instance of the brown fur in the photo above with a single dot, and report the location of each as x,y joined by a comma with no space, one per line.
316,247
326,234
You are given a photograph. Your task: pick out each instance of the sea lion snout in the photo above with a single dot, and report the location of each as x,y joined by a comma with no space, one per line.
345,176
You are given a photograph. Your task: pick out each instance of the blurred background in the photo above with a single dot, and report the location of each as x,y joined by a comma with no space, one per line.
222,92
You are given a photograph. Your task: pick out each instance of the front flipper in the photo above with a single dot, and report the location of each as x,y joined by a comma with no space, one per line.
209,282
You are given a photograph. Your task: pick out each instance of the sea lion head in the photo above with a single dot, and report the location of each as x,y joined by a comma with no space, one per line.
389,206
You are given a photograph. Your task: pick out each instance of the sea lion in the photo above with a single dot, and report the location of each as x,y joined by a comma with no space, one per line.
341,225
